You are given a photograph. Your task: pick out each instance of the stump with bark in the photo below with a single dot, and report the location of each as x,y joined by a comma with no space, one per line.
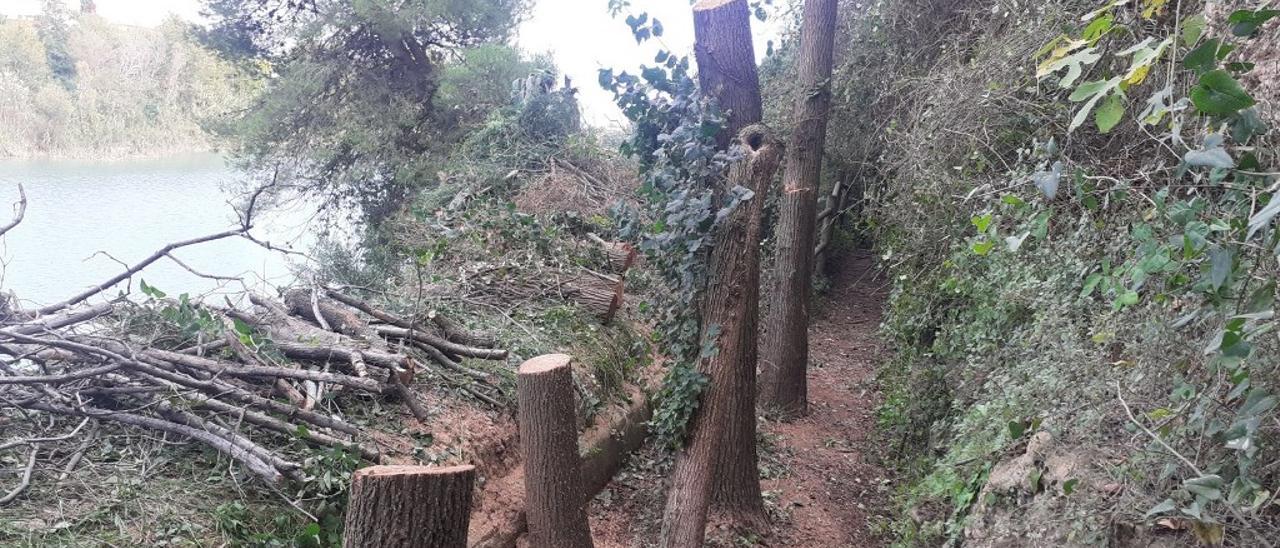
600,294
409,507
554,501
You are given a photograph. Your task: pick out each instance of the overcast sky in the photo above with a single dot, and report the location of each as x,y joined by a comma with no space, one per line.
580,35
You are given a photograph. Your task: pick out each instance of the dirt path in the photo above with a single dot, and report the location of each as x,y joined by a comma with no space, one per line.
822,487
831,489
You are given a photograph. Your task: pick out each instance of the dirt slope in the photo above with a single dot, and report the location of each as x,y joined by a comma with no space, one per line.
822,488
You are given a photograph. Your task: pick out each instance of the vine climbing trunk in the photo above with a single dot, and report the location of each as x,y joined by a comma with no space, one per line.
729,327
727,73
783,383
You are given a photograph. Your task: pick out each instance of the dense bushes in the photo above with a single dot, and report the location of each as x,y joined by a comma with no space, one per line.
97,89
1068,250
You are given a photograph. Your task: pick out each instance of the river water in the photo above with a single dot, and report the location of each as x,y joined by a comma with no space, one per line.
79,212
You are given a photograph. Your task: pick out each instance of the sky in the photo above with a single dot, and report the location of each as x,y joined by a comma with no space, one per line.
579,34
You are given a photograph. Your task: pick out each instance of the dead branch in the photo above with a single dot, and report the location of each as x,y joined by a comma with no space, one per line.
17,217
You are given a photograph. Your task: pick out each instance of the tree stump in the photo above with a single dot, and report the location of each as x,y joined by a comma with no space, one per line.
549,444
409,507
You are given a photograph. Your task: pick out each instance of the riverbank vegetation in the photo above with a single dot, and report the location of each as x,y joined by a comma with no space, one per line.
75,85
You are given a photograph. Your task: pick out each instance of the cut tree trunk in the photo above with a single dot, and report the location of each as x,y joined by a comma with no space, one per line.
727,73
713,448
554,501
409,507
727,63
783,383
600,294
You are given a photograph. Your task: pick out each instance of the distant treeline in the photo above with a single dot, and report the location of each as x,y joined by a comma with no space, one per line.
76,85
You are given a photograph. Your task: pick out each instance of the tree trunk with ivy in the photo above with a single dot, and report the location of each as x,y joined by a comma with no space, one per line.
727,73
783,383
710,449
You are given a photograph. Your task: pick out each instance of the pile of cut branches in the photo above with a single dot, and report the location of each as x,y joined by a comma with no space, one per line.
243,381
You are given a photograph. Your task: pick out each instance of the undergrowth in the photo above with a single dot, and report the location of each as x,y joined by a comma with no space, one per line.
1075,204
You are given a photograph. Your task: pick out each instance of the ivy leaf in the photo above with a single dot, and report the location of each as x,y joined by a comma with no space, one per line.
1219,94
1245,23
1166,506
983,248
1212,155
1205,58
1110,113
1193,29
1094,92
656,27
1263,217
1220,260
1208,486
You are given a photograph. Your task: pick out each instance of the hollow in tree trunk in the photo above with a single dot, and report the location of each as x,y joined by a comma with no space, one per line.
409,507
554,501
783,384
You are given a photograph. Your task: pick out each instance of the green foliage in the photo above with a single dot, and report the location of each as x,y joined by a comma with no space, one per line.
1036,266
675,138
80,86
366,97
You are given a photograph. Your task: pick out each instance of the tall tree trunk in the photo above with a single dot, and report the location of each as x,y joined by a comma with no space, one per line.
727,73
409,507
549,443
783,383
726,326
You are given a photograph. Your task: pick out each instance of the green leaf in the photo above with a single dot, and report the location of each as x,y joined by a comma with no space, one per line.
1110,113
1245,23
982,222
1090,284
1193,29
1016,429
1098,28
1128,298
1208,486
1263,217
1069,486
1219,94
150,290
1074,64
1204,58
983,247
1166,506
1220,260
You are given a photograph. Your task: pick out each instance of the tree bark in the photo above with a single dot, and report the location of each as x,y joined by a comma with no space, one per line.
554,501
714,447
727,63
783,383
727,73
409,507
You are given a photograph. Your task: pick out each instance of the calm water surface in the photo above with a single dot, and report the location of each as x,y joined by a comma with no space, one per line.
78,211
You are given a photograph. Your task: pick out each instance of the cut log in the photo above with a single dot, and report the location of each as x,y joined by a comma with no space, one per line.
304,304
600,294
549,444
409,507
621,255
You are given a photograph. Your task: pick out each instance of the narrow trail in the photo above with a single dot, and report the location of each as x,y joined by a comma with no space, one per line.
830,486
823,488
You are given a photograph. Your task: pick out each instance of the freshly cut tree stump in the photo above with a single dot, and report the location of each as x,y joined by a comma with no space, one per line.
549,445
409,507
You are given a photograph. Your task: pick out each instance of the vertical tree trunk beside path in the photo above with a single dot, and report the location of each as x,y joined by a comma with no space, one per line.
727,73
726,327
554,501
395,506
783,383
